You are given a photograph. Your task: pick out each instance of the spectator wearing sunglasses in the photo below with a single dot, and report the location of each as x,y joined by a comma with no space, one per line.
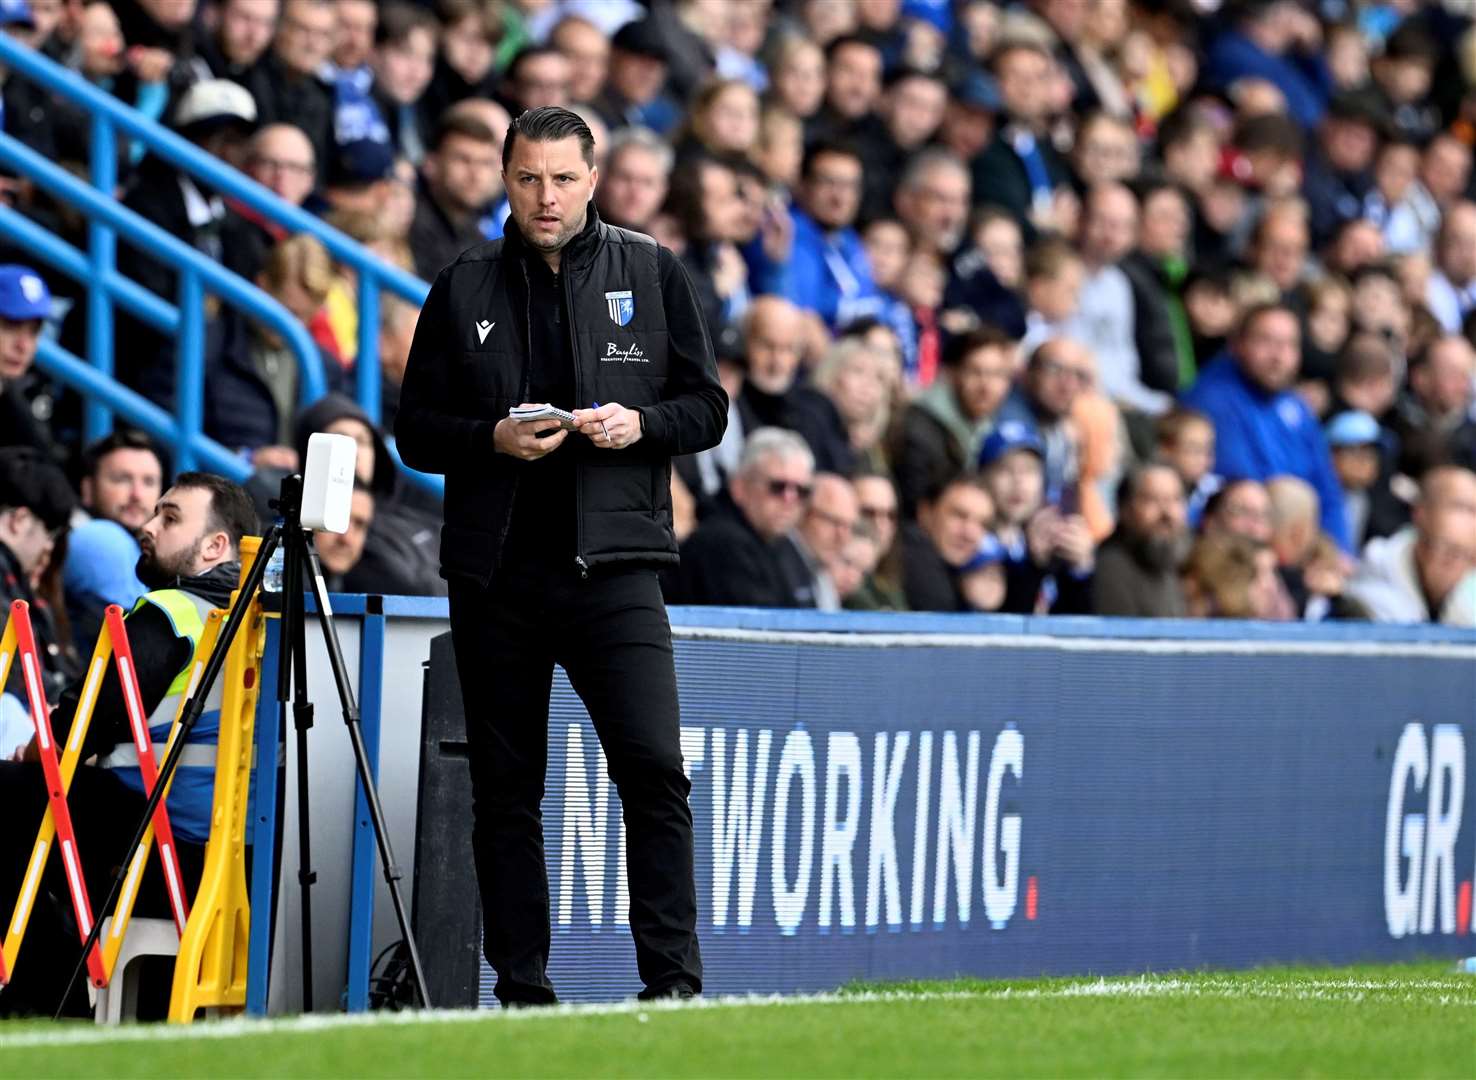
742,554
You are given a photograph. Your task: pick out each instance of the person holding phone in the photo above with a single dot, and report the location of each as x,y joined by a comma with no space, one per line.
554,532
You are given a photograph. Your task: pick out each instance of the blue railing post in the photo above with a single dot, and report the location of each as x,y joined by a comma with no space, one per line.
367,364
102,245
189,370
361,872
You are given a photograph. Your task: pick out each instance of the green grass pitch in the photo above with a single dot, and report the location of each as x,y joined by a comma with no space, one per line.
1404,1021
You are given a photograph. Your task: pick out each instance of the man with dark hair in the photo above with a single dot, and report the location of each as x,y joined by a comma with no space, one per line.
1276,40
1262,428
244,30
912,110
190,563
951,525
537,77
1021,171
36,503
706,203
403,62
853,87
945,425
1138,565
828,272
553,530
122,476
457,182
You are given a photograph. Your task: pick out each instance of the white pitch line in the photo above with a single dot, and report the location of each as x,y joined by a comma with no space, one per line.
1455,990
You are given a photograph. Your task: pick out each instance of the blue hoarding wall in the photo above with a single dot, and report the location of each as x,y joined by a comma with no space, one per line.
911,805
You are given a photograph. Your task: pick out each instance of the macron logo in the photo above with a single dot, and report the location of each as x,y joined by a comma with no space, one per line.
483,329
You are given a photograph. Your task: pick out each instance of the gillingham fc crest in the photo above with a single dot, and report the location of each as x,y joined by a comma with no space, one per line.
622,307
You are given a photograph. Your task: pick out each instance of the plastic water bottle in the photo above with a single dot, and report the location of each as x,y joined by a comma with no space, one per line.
1467,966
271,579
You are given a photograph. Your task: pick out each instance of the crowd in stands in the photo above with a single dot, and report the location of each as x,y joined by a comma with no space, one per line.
1125,307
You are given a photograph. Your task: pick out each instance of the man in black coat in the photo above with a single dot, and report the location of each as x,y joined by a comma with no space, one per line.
1021,170
741,554
35,505
554,530
217,116
950,528
287,82
774,393
457,182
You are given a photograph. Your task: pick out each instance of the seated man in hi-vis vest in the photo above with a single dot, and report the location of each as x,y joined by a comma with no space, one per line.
191,564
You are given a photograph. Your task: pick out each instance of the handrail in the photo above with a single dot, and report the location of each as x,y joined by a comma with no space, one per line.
138,410
194,268
373,272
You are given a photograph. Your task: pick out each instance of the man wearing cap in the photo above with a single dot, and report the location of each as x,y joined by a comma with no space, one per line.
25,303
635,91
35,504
217,116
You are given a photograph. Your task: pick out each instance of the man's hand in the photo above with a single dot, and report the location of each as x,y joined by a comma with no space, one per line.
610,427
150,65
1074,543
28,752
521,439
1040,535
274,457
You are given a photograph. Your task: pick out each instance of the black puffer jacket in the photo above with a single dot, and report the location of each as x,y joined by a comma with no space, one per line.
639,339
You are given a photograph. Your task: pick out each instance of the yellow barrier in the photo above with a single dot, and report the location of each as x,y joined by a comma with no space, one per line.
210,971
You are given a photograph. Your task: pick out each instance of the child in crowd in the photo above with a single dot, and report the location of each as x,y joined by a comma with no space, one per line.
1212,313
1047,554
1186,443
997,235
1054,273
1390,204
1369,505
1328,324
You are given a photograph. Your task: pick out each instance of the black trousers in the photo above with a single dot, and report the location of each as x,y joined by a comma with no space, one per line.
610,635
105,814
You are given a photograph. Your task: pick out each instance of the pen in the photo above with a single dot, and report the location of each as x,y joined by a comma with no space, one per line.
604,428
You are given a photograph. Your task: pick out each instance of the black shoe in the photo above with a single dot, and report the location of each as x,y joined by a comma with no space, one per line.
678,991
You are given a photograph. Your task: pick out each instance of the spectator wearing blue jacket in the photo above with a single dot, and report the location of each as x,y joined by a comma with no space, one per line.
829,272
1278,41
1262,428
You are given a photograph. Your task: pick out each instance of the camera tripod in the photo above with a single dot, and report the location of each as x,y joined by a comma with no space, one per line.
301,571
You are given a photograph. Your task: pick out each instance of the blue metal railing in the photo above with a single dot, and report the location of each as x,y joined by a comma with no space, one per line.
105,286
186,320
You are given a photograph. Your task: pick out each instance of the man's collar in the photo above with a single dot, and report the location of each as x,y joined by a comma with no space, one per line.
576,253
